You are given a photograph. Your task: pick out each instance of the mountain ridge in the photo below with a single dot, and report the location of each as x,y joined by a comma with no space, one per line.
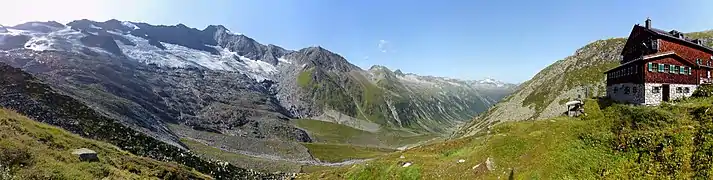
228,90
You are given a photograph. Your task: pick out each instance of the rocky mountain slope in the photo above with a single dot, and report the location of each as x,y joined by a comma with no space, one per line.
34,99
229,91
543,96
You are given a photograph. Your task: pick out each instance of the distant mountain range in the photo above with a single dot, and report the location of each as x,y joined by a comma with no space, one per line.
173,82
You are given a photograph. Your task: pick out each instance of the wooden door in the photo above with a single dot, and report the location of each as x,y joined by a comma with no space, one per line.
666,90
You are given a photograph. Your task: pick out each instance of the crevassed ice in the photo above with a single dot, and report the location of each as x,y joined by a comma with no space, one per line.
149,54
60,39
67,39
39,43
180,56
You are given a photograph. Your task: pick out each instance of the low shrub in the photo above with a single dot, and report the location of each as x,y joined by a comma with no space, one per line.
13,156
705,90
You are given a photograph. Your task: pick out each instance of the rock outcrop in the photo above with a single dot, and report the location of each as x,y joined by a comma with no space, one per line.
85,154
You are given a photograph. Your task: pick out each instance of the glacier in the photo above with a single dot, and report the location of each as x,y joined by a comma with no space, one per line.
68,39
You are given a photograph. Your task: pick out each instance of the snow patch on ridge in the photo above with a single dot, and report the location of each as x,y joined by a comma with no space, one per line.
414,79
39,44
94,27
129,25
230,32
452,83
283,60
17,32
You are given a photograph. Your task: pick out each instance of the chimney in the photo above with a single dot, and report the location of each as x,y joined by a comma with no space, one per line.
648,23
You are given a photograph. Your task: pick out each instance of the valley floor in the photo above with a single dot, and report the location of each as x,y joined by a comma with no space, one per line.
614,141
333,145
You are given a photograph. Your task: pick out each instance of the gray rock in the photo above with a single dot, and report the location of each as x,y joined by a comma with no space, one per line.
86,155
490,164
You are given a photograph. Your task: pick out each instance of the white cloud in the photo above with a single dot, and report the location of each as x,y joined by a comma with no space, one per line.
384,46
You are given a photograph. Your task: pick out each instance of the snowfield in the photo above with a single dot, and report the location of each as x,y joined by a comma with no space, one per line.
67,39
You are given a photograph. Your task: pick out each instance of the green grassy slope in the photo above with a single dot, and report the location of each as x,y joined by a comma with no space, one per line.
343,152
328,132
240,160
381,97
613,142
352,95
543,96
32,150
581,70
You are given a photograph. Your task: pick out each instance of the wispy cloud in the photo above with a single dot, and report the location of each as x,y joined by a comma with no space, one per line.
384,46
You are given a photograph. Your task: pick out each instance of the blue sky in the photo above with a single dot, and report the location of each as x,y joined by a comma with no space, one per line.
504,39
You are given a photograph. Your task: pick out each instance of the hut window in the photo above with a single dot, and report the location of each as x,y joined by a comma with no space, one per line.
682,70
656,89
634,90
661,68
674,69
686,90
666,67
679,90
651,67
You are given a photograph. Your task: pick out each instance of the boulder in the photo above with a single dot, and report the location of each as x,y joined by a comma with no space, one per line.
490,164
85,154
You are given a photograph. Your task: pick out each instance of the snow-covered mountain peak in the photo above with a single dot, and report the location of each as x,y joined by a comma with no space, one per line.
491,82
169,46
